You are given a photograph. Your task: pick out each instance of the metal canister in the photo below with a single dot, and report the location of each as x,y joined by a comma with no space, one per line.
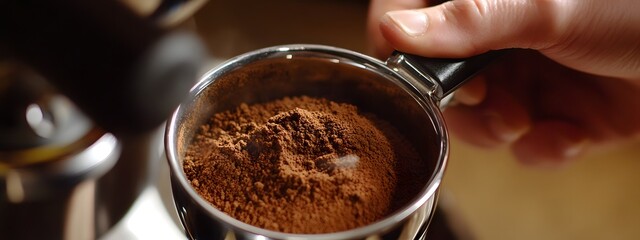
317,71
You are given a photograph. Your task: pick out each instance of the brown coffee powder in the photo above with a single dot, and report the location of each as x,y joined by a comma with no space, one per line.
302,165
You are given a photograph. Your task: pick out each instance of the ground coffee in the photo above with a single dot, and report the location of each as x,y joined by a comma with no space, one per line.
302,165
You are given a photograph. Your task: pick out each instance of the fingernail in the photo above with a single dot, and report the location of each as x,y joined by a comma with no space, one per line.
574,147
466,98
571,148
412,22
502,130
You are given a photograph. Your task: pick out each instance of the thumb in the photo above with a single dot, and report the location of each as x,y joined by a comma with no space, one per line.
462,28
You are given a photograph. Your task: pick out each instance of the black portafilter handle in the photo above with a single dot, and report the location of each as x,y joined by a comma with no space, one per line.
124,71
449,73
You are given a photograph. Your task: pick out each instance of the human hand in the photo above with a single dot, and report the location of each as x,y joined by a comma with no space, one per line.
578,86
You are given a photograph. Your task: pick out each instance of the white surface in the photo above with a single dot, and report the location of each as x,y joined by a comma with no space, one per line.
148,219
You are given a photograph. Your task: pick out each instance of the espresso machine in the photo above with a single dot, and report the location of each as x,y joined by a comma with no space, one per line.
84,89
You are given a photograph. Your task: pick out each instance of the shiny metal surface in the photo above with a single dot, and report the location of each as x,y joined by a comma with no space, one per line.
314,70
61,177
84,203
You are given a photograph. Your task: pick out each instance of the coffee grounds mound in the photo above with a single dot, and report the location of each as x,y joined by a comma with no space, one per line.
302,165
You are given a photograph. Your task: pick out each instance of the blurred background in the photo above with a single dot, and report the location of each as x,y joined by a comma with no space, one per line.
486,193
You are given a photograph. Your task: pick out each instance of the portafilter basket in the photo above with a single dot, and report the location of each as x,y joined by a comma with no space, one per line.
406,91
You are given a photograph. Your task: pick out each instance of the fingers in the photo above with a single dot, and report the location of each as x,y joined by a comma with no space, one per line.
499,119
379,47
472,92
550,143
463,28
578,99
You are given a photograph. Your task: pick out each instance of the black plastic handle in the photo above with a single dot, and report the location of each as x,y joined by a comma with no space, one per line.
448,74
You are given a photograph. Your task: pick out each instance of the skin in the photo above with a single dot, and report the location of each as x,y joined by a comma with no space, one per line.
572,85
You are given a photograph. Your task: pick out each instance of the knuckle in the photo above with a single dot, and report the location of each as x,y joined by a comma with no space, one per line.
554,21
472,19
471,10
